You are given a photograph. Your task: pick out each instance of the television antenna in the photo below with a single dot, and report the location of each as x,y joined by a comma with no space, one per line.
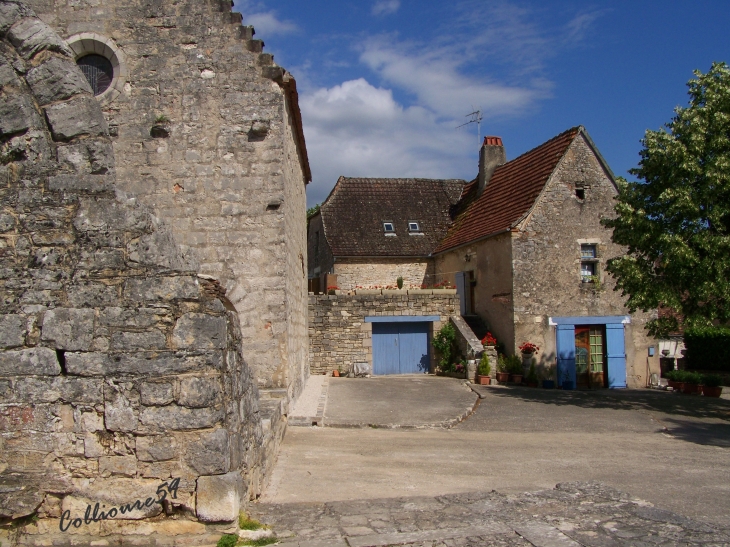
476,117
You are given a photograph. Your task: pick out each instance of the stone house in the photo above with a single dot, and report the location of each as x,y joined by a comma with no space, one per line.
369,232
207,131
529,255
525,248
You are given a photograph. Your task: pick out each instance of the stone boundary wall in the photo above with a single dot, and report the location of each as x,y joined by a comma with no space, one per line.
339,335
383,272
120,368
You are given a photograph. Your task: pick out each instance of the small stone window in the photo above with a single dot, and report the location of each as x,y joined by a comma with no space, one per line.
588,262
98,71
389,228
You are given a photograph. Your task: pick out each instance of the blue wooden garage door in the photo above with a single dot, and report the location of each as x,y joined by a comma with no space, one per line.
400,348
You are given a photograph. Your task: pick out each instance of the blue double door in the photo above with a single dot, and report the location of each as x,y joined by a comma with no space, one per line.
615,349
401,348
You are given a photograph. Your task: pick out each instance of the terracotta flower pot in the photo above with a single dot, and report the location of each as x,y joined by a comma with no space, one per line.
336,373
503,377
483,380
516,378
692,389
708,391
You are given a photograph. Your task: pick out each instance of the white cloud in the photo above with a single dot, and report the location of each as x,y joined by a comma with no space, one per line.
265,22
386,7
434,78
357,129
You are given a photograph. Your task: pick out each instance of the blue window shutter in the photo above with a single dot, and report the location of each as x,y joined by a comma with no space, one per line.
616,349
566,352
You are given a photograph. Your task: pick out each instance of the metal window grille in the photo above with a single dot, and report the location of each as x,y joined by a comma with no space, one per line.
98,71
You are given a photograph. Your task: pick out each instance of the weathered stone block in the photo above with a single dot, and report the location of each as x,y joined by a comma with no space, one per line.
68,390
156,448
153,339
81,183
56,79
76,117
197,392
219,497
10,13
155,394
69,328
199,331
153,364
118,412
12,331
17,115
30,36
29,362
162,288
179,418
125,466
210,454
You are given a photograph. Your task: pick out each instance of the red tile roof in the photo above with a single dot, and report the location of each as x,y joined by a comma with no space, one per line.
355,210
509,195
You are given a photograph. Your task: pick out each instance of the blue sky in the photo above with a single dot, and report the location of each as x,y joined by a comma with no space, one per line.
384,83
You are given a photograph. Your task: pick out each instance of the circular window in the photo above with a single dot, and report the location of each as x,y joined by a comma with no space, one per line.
98,71
102,62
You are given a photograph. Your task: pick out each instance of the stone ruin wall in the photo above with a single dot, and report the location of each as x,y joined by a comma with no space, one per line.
546,262
339,335
120,367
371,273
227,172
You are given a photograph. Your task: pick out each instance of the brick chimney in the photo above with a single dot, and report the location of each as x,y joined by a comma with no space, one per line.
490,157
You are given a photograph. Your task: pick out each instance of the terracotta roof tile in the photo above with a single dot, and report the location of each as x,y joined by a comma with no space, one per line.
355,210
509,195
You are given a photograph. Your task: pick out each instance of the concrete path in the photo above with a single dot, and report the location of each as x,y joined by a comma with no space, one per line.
571,515
405,402
671,450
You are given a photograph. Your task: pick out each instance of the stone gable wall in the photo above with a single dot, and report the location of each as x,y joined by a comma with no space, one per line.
226,172
546,261
120,367
339,335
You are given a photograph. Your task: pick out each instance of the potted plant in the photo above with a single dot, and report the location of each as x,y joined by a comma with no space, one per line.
532,376
692,383
399,282
712,385
514,365
483,370
528,348
502,371
489,340
548,373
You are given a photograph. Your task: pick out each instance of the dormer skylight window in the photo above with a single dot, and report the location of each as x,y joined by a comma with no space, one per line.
389,228
413,227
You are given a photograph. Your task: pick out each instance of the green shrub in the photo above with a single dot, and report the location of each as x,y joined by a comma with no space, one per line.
484,366
261,542
708,348
712,380
514,364
445,344
399,282
694,378
245,523
228,540
532,373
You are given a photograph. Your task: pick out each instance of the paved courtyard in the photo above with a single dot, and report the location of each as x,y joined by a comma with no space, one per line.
671,452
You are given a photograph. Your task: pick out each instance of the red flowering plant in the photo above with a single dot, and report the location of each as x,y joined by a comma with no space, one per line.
529,347
489,340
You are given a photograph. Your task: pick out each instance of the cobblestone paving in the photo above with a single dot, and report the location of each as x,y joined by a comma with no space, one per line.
572,514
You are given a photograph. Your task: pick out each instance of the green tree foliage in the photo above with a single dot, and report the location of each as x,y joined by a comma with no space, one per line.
676,220
445,343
